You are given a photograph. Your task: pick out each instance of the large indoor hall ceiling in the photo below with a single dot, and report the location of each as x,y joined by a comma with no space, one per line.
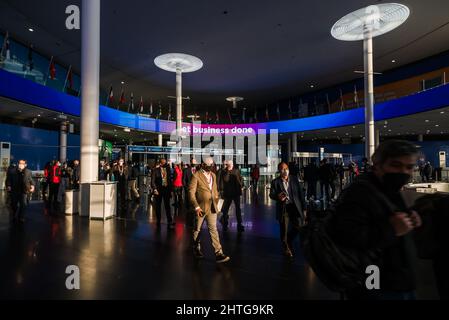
259,49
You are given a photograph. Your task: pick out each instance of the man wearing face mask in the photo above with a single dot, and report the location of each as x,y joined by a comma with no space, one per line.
20,184
203,194
290,207
161,184
121,176
372,218
230,184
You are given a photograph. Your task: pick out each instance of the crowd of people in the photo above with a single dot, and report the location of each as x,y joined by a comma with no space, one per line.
368,215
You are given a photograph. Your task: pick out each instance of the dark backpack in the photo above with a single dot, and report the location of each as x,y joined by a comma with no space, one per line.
339,268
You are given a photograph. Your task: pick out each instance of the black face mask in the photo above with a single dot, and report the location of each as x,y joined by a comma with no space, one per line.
395,181
207,168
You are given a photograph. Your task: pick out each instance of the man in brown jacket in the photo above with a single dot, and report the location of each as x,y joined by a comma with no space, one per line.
203,195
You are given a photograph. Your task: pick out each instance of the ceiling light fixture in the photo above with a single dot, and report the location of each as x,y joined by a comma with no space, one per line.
30,29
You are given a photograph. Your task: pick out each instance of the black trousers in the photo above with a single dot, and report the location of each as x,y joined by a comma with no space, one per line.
238,211
290,225
19,203
53,194
164,196
177,192
311,189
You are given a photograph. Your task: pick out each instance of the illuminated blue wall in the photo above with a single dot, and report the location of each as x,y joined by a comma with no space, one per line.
37,146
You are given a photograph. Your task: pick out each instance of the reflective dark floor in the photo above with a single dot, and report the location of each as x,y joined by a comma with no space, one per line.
129,258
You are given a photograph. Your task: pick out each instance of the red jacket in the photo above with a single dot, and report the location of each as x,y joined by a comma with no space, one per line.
56,174
177,179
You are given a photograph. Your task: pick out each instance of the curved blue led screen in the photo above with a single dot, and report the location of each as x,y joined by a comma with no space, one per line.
26,91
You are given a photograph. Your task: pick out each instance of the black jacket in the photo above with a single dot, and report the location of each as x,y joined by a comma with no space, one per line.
230,183
156,178
20,182
187,176
295,192
361,222
311,173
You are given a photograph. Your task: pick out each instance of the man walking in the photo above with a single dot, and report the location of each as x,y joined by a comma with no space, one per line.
203,196
19,183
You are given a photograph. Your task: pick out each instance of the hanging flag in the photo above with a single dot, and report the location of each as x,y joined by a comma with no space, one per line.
68,79
122,97
5,48
356,97
132,102
342,101
52,69
217,117
151,108
110,97
141,105
169,113
278,112
30,58
207,117
230,118
290,110
51,72
160,111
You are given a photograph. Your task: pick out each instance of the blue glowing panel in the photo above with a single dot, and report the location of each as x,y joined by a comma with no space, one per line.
20,89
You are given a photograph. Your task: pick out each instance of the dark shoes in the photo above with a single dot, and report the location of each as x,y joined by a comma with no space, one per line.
224,223
197,253
288,253
222,258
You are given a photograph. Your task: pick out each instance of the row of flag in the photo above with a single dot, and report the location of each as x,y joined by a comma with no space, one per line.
68,86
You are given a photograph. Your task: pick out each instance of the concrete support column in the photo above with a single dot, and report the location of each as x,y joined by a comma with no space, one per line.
179,101
63,142
377,138
369,95
160,140
295,142
90,76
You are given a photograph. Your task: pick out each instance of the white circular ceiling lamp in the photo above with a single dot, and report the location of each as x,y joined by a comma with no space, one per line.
366,24
376,19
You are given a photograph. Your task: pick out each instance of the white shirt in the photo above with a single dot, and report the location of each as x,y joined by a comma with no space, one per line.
285,182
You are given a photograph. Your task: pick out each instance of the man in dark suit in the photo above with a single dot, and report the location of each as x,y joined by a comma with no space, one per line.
20,184
161,182
230,184
187,175
290,206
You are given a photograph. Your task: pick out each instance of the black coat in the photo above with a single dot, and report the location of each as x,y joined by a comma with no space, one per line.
20,182
295,192
156,178
361,222
230,183
187,176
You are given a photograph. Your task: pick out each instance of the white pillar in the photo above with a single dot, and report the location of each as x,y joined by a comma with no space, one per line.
179,101
377,140
90,78
289,150
63,142
159,140
369,95
295,142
